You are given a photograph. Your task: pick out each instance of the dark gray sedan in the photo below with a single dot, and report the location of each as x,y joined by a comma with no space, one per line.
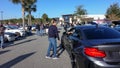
92,46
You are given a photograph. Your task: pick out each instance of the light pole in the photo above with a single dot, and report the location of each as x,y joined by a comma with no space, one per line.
1,16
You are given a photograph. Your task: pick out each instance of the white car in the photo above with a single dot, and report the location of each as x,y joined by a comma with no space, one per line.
18,32
9,36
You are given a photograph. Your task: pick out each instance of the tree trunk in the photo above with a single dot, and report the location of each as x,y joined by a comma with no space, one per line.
23,18
30,18
23,13
28,21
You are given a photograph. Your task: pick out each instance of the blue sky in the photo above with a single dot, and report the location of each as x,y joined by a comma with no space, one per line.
56,8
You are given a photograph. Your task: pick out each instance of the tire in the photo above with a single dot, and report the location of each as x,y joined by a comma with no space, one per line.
5,39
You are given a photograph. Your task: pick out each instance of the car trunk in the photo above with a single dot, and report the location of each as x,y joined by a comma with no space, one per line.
111,48
112,51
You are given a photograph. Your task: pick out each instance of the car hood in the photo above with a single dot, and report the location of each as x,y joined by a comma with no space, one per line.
103,41
18,29
14,30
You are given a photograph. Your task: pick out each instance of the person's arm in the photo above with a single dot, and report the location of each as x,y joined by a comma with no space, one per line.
57,34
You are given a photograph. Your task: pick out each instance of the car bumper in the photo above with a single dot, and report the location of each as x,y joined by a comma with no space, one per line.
94,62
101,64
11,38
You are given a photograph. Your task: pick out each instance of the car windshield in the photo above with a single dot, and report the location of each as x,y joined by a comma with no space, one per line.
12,27
101,33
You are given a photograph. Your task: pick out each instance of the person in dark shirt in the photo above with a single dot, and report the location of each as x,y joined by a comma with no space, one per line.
52,35
37,29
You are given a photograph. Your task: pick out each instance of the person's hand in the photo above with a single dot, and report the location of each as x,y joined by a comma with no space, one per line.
69,32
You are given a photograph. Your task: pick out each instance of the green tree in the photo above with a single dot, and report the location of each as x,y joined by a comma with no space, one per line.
45,18
113,12
29,8
80,12
31,17
23,4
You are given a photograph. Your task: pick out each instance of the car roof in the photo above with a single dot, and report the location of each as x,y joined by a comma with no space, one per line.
82,27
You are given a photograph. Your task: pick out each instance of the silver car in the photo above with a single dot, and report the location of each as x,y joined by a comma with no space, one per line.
9,36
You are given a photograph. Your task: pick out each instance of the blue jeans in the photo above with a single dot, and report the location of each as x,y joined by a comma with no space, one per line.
41,32
37,32
2,41
52,45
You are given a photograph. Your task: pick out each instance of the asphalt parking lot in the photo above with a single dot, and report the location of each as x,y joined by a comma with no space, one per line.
30,53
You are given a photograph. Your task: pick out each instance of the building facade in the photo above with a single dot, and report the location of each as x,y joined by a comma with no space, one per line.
69,18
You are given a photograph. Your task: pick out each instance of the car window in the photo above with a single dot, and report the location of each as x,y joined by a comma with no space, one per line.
101,33
76,33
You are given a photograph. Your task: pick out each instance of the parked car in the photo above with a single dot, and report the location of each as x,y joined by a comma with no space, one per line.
14,29
33,27
116,22
9,36
92,46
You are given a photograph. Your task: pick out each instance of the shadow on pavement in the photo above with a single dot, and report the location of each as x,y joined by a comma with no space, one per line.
24,41
16,60
2,52
60,50
12,43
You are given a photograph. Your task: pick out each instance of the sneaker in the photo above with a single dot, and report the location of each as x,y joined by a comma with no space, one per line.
55,58
48,57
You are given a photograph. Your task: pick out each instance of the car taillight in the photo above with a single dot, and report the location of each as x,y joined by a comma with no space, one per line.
94,52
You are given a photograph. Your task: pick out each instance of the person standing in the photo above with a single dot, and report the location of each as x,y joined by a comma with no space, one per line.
37,29
52,35
65,26
2,30
41,29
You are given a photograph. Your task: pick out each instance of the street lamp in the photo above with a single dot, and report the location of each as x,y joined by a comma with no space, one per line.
1,16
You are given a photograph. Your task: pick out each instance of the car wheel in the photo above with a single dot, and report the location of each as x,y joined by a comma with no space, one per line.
5,39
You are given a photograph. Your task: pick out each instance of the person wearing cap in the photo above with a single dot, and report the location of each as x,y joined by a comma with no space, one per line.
52,36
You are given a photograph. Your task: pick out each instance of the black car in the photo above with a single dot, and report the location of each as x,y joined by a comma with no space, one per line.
92,46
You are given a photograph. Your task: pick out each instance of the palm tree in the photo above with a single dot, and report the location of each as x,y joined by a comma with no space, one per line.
30,6
23,4
45,17
80,12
